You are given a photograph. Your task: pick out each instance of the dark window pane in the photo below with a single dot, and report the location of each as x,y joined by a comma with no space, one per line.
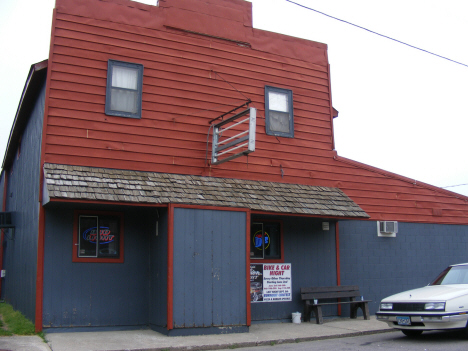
109,236
256,244
87,236
265,240
272,231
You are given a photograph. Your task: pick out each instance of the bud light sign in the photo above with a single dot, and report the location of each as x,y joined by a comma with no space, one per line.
105,236
99,236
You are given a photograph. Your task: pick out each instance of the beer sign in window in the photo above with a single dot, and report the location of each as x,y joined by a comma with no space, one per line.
265,240
98,237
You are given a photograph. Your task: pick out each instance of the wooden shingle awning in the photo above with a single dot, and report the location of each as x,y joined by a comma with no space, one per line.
124,186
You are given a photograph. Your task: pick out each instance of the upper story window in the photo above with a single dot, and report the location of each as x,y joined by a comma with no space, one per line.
279,120
124,89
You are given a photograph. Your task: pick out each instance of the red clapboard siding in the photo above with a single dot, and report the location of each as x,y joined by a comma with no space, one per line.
190,79
178,49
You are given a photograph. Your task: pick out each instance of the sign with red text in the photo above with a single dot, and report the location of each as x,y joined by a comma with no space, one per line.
270,282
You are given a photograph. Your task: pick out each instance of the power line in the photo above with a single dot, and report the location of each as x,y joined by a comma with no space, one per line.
451,186
382,35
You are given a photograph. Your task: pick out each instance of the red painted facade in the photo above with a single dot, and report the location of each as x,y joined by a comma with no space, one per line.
201,59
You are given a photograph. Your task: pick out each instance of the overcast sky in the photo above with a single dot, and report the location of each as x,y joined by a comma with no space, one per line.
401,109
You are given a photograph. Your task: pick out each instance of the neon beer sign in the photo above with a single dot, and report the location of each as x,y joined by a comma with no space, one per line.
257,240
105,236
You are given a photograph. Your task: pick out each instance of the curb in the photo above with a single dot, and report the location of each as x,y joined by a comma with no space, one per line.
262,343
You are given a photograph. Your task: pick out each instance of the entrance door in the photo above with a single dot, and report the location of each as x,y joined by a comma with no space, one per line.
209,268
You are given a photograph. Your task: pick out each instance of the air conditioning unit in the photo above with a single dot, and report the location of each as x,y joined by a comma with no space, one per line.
387,228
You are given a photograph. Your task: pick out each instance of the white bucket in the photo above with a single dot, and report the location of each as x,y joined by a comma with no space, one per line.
296,317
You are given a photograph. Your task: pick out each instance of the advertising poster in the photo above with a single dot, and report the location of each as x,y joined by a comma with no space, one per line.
270,282
256,282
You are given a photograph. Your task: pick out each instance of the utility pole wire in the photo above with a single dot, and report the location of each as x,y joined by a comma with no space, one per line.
451,186
384,36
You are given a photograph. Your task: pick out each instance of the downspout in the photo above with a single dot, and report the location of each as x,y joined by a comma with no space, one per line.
338,269
170,267
247,254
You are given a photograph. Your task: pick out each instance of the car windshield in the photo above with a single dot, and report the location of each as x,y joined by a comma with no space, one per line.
452,275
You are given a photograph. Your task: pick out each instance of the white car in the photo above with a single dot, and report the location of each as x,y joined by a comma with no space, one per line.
441,305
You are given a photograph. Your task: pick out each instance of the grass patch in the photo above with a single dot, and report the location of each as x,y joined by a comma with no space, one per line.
14,322
3,331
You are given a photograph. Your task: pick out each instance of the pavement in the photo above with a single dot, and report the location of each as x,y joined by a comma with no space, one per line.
149,340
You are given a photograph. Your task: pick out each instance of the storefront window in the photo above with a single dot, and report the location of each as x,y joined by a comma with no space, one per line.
265,240
98,236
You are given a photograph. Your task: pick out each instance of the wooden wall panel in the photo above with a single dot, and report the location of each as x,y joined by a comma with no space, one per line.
190,79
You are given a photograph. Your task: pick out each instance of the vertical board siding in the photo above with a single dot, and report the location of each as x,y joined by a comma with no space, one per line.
190,79
312,254
22,198
158,272
385,266
209,268
97,294
2,189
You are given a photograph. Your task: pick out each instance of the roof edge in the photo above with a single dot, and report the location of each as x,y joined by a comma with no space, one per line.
35,76
400,177
84,183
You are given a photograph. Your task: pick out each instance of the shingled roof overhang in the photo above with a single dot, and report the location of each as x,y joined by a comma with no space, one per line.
124,186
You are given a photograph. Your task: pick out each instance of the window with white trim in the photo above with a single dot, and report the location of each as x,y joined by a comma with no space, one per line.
124,89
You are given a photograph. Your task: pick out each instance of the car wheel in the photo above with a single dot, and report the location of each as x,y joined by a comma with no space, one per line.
411,333
464,331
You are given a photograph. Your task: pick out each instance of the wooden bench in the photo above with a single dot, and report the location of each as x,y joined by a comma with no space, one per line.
314,296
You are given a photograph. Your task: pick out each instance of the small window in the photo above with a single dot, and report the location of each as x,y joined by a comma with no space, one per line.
279,112
124,89
98,237
265,241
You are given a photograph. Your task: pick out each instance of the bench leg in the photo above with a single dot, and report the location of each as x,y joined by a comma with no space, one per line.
318,314
363,306
353,312
365,311
307,311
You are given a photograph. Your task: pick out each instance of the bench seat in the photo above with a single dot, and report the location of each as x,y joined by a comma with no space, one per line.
314,297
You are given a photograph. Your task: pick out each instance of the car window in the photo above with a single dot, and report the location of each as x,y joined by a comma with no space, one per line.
452,275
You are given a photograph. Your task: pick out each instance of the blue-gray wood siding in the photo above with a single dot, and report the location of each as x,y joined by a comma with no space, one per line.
312,254
383,266
158,273
2,187
97,294
209,268
22,198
